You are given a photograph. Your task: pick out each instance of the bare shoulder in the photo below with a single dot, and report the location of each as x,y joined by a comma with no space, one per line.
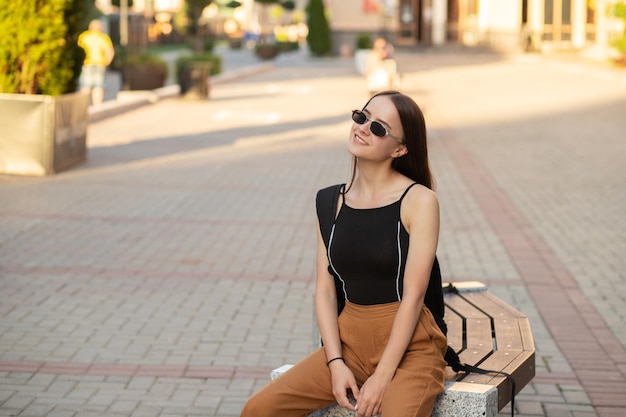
421,196
420,204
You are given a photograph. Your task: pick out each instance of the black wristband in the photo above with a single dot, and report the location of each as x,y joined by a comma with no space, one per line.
334,359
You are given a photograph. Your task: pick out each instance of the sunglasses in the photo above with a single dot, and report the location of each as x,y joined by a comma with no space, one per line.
376,128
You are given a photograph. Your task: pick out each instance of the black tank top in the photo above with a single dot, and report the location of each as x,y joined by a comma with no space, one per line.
367,252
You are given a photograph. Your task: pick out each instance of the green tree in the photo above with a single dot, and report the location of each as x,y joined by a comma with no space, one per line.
77,16
38,47
319,31
118,3
264,19
619,11
288,5
194,10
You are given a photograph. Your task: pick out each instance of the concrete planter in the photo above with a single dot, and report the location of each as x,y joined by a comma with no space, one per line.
267,51
144,75
360,60
194,80
42,135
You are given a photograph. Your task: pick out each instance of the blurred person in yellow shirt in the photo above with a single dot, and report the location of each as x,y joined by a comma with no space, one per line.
98,55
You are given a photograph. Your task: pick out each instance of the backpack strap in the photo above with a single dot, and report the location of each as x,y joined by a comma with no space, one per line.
326,205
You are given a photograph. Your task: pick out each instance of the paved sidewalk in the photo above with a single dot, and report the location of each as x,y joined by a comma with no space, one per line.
236,63
172,270
233,60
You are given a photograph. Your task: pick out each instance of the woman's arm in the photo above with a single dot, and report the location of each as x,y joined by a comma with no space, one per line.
326,313
420,215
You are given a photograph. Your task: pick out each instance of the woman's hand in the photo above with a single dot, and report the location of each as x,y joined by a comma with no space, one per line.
370,398
343,380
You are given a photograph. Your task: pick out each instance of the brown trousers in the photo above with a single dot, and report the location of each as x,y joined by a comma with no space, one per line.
364,332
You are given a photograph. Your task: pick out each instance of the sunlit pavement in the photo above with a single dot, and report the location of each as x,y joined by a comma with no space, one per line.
168,274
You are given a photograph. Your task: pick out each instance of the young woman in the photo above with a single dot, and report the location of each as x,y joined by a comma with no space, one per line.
384,352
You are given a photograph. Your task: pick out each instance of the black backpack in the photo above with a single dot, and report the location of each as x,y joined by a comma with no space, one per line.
326,206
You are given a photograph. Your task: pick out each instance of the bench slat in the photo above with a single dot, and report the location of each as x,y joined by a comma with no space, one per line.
521,365
476,340
462,307
455,329
495,304
504,330
509,334
498,309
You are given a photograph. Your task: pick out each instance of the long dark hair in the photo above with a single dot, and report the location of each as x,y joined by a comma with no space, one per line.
414,164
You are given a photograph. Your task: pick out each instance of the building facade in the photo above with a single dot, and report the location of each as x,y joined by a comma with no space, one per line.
501,24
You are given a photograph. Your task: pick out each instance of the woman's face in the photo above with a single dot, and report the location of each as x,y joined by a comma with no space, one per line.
364,144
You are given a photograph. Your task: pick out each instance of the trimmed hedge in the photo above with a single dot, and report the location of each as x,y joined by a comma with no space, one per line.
364,41
215,60
39,53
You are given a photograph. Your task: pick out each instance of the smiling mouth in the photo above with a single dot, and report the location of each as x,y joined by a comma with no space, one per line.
359,140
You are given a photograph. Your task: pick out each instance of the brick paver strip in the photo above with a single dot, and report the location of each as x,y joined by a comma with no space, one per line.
591,349
164,371
153,273
20,367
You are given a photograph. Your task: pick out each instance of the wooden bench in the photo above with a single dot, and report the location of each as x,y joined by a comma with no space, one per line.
485,332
